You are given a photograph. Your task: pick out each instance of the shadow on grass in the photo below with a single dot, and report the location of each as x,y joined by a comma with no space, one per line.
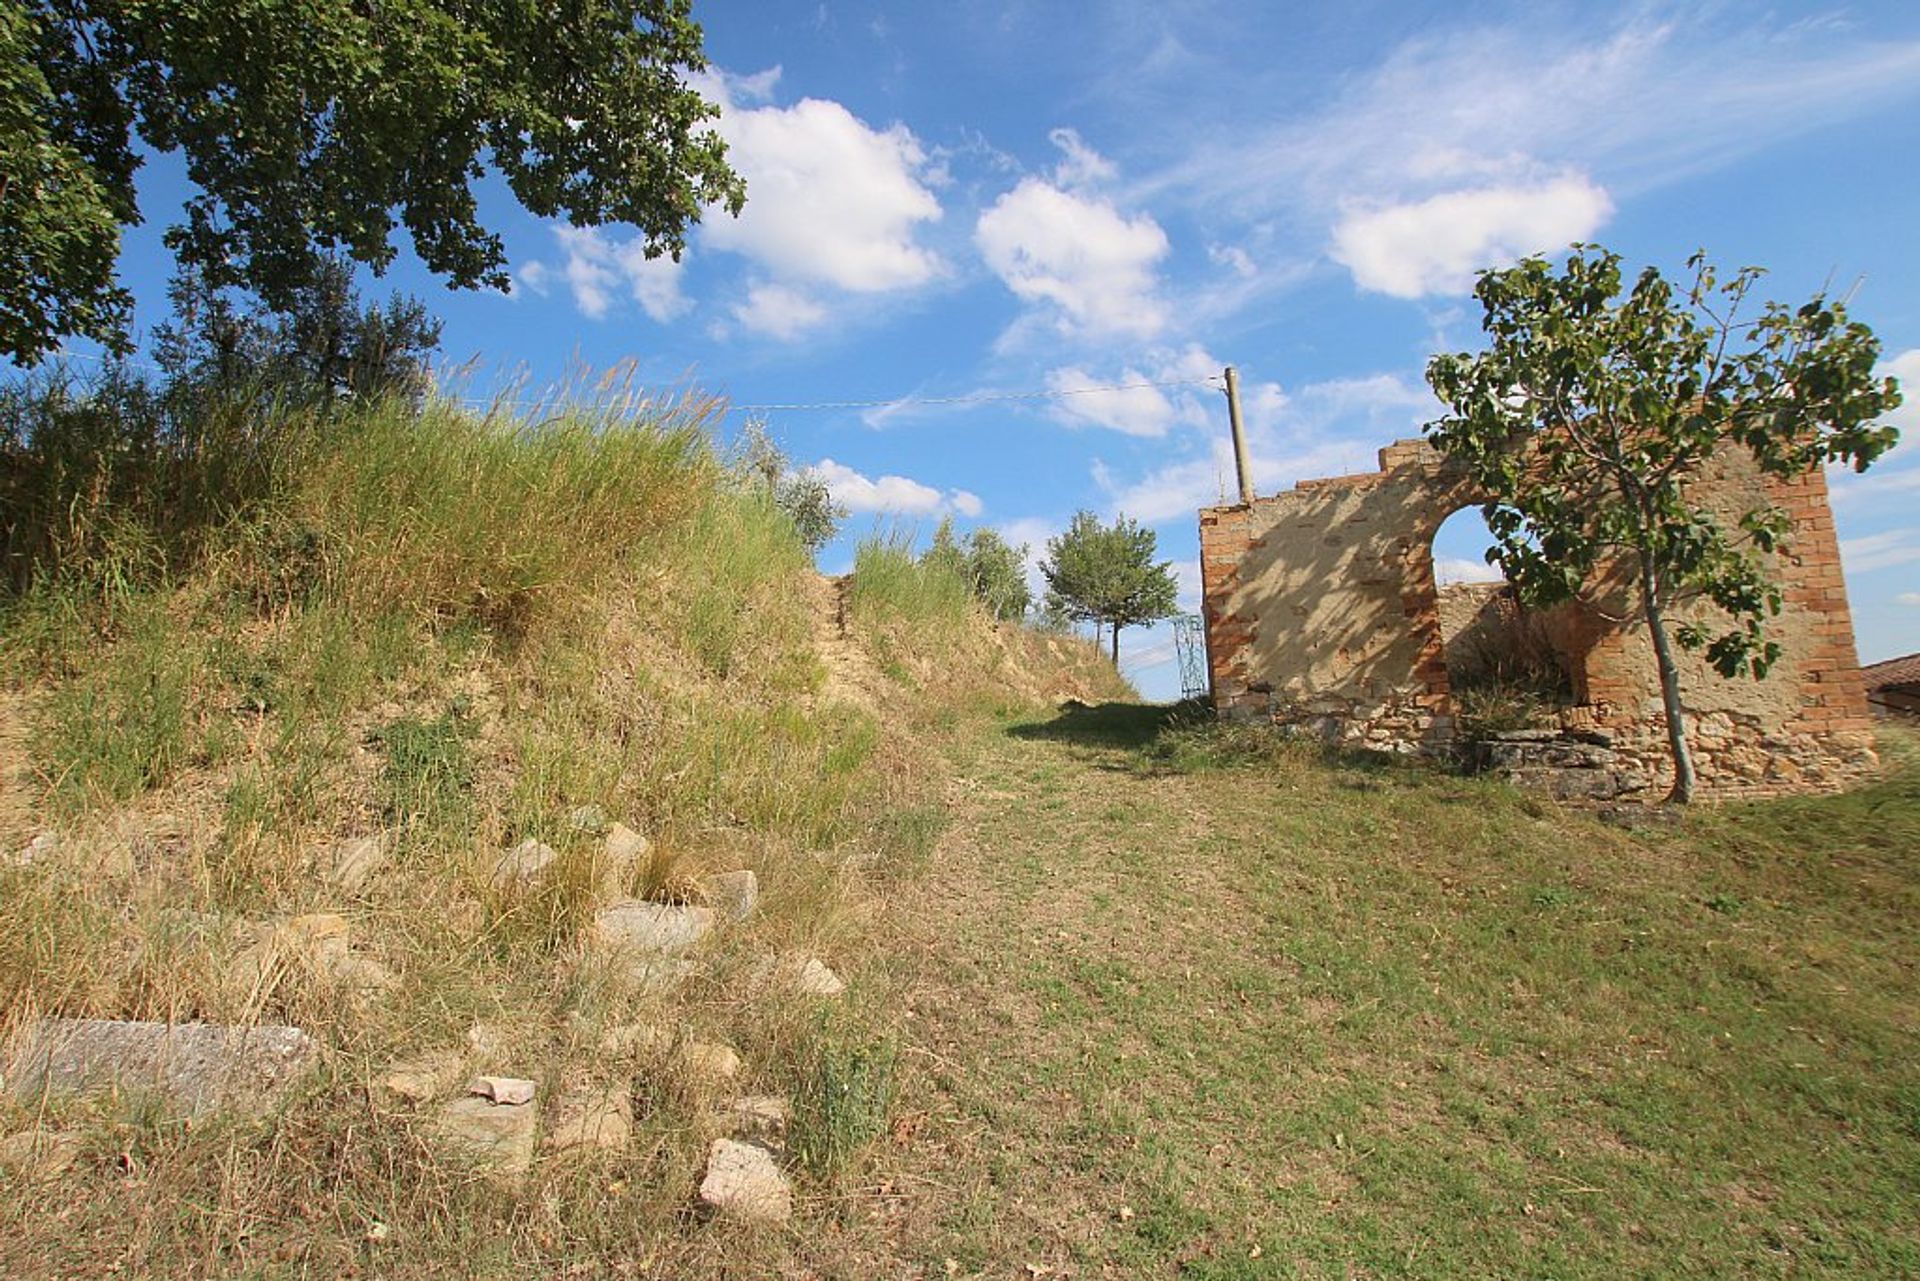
1129,726
1186,737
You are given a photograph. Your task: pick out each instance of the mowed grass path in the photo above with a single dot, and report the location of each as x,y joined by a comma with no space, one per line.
1185,1003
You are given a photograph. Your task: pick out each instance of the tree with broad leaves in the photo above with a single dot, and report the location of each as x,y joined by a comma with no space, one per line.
314,127
1107,574
1594,410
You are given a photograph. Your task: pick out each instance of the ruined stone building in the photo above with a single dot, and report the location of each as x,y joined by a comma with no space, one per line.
1322,614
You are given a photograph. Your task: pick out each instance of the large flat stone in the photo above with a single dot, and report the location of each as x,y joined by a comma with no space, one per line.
661,928
744,1182
196,1068
594,1118
497,1137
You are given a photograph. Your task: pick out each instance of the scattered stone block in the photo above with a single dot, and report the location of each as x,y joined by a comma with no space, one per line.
39,1153
626,850
733,894
424,1077
498,1138
350,864
764,1117
813,978
710,1060
523,864
511,1091
594,1119
639,926
744,1182
37,850
196,1068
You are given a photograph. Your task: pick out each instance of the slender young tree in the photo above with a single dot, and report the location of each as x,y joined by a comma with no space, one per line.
1107,574
1596,405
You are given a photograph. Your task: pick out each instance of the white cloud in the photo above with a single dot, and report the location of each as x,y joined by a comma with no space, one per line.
1234,258
1138,410
1080,165
1092,265
1177,387
831,200
1328,428
1435,245
1908,598
778,312
598,268
1490,120
1884,550
1460,569
892,495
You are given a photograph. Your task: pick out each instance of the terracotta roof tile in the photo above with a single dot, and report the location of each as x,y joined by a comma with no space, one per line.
1895,671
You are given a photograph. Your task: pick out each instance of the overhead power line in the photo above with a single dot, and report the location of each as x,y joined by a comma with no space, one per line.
896,402
979,398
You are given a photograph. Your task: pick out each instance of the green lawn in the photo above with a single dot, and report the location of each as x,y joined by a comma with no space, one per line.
1187,1002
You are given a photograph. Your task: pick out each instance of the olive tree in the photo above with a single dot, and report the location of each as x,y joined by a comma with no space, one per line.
1595,407
309,128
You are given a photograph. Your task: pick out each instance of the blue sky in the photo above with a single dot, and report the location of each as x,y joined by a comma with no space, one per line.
982,200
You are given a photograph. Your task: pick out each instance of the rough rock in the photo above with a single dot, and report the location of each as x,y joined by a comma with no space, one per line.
424,1077
625,851
44,1153
317,943
599,1117
523,864
196,1068
494,1136
639,926
744,1182
350,864
39,849
813,978
510,1091
758,1116
733,894
710,1059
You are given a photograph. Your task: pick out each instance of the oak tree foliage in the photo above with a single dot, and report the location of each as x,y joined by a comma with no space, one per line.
314,128
1596,405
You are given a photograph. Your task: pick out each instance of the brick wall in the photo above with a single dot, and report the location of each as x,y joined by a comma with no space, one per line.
1321,614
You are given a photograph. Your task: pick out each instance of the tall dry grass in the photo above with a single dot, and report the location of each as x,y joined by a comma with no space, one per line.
460,631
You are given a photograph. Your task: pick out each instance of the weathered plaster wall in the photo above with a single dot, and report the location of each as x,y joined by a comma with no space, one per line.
1322,614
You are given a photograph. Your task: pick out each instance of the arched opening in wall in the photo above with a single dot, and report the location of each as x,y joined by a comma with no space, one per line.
1507,665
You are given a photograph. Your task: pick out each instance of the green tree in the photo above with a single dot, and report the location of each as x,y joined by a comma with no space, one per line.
998,572
1594,409
993,569
328,344
802,495
310,127
1107,573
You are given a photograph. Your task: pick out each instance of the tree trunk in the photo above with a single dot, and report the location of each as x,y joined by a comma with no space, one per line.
1116,644
1683,779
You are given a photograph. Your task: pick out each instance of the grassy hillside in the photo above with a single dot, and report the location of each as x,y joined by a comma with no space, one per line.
1190,1001
228,652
